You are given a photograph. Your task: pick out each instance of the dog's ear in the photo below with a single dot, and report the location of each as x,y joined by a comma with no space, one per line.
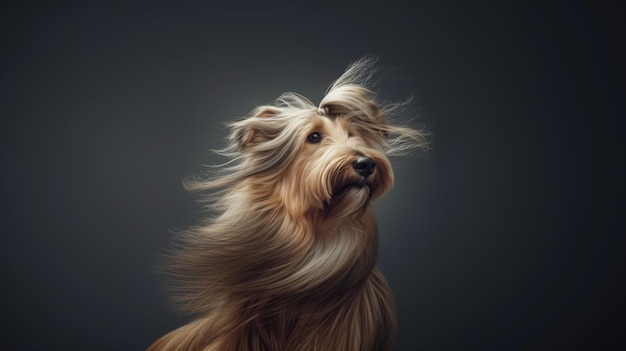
253,129
369,107
372,113
379,117
265,112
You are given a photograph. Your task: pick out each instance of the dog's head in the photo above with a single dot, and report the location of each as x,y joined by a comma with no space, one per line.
330,159
318,158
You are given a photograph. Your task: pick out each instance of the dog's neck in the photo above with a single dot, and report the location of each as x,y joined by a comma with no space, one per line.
324,250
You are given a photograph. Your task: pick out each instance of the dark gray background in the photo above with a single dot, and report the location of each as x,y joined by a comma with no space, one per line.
507,235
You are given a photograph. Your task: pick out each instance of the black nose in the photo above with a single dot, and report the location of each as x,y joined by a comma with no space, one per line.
364,166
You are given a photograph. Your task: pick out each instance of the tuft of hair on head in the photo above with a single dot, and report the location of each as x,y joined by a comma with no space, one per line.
352,96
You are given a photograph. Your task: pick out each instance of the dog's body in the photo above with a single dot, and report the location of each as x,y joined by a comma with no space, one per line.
289,262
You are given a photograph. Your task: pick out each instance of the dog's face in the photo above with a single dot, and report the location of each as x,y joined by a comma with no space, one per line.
341,160
329,163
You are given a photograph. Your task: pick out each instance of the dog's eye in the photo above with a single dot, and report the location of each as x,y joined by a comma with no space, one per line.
314,138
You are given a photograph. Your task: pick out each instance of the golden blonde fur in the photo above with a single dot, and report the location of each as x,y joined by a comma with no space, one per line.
288,261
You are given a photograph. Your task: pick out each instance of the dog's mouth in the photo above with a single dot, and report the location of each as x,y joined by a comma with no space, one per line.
350,186
342,192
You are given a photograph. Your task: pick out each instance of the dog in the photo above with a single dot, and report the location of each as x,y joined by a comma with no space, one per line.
288,260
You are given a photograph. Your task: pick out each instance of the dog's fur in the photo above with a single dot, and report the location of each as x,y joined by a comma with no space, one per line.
289,260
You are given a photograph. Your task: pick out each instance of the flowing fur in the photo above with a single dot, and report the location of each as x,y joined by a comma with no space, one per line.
288,262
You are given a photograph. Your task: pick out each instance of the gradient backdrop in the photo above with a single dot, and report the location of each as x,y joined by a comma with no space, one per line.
507,235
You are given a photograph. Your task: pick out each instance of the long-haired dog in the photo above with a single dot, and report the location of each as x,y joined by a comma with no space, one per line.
288,261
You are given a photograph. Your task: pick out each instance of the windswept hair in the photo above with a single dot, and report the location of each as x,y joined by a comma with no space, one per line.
349,96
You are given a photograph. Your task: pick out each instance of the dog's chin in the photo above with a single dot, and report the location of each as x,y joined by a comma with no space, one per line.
349,199
351,188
